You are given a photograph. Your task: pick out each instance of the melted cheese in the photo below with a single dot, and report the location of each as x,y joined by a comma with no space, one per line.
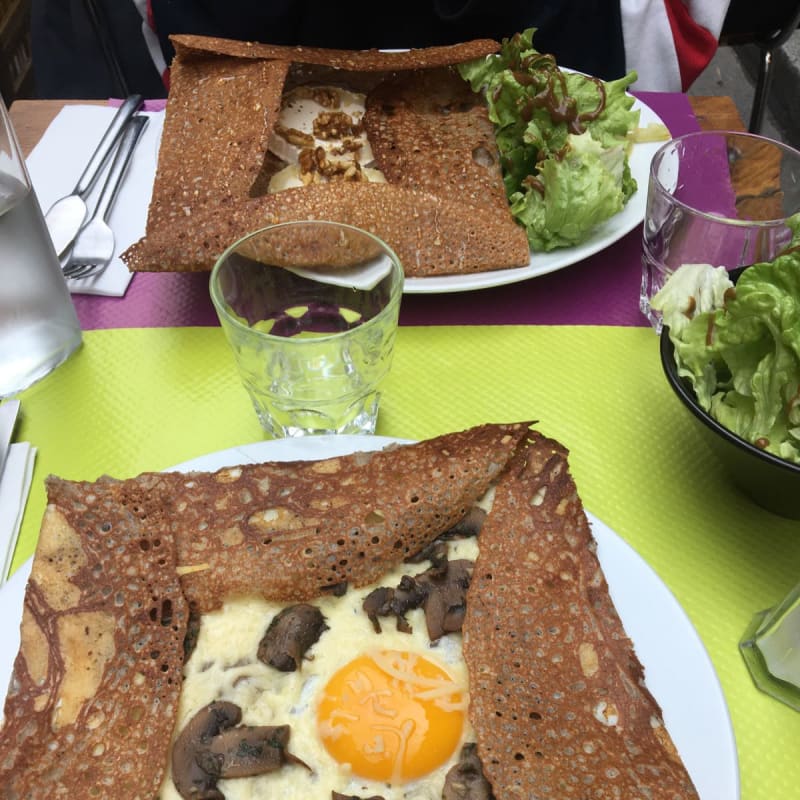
292,177
224,666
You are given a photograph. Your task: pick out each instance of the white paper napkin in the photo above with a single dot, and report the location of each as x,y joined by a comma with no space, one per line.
60,157
15,483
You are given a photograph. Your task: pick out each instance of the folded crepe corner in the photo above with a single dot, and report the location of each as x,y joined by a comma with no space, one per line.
97,679
300,529
557,692
443,207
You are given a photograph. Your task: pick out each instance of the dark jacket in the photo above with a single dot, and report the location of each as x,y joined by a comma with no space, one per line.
69,62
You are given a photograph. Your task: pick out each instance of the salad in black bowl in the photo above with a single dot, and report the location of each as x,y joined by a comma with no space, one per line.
730,348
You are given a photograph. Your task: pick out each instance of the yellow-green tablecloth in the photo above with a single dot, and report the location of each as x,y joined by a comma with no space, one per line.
145,399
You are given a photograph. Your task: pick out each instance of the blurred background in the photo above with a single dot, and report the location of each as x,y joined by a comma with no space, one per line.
734,72
112,57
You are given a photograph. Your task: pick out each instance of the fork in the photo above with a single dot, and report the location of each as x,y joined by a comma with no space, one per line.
93,247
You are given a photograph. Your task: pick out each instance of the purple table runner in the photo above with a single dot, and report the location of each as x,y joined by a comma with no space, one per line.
600,290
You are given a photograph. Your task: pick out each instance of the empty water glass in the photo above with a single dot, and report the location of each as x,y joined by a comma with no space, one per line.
310,310
719,198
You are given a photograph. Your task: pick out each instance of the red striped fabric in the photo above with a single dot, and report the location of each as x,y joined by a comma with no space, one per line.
695,45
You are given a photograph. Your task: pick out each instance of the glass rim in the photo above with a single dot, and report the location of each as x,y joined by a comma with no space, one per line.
222,308
722,134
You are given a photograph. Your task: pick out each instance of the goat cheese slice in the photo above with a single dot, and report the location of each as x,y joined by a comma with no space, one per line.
329,117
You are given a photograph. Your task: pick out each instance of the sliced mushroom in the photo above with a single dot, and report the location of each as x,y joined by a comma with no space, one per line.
440,590
339,796
465,780
191,780
387,602
435,552
248,750
407,595
378,604
446,598
289,635
214,746
469,525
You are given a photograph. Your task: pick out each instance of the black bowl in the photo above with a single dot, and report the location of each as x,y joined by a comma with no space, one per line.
772,482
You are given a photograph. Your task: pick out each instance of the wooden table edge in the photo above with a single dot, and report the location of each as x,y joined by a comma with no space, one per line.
31,118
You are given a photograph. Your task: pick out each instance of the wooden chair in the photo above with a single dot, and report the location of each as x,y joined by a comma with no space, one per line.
767,24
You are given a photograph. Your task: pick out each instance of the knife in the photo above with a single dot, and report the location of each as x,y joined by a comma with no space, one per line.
66,215
8,418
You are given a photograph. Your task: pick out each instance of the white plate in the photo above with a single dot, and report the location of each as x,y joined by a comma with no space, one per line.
678,670
541,263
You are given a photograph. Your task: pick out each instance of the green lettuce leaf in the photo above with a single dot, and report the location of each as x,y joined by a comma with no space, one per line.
618,119
563,139
581,190
742,355
691,290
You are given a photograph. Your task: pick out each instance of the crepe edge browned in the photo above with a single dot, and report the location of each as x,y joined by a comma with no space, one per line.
425,230
372,60
550,699
181,236
96,680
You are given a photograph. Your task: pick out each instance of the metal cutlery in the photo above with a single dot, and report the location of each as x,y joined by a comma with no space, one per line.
65,217
93,247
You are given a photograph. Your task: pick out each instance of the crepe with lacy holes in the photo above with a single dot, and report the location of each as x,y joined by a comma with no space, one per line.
558,700
291,531
96,682
215,134
435,111
557,695
443,209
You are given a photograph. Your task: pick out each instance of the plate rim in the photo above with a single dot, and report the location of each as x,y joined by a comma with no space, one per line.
725,783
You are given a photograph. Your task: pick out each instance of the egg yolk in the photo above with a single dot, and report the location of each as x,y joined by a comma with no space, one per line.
391,716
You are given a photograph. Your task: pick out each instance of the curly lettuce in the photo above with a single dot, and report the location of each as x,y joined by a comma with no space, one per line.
563,139
740,347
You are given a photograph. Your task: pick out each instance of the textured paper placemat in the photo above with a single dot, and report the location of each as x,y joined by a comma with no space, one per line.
145,399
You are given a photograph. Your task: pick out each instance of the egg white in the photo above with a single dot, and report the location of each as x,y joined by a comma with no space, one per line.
224,666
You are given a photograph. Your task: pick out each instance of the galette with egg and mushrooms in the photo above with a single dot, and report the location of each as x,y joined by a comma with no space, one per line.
425,621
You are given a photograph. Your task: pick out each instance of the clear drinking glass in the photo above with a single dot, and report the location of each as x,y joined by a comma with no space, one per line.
310,310
38,325
719,198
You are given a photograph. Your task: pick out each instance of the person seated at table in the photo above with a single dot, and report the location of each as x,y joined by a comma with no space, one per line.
668,42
